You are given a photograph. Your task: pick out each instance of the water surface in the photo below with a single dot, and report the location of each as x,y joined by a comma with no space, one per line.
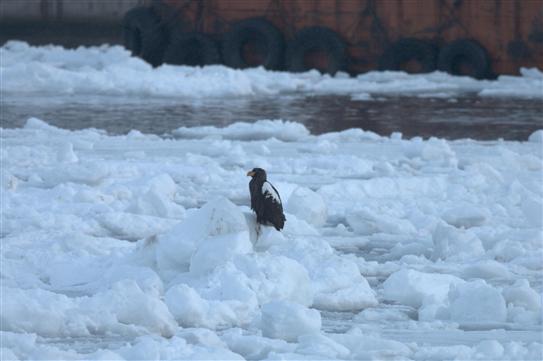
450,118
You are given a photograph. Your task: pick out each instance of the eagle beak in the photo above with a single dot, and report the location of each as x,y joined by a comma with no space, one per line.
250,173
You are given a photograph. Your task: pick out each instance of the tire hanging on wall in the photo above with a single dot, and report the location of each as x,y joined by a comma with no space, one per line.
260,32
317,39
407,50
195,49
143,34
464,52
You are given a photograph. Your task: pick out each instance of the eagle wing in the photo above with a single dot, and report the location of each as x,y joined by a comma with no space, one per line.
273,207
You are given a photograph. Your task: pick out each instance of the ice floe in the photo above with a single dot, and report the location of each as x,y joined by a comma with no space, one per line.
141,247
111,70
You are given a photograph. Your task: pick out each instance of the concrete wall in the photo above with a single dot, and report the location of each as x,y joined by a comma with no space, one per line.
66,10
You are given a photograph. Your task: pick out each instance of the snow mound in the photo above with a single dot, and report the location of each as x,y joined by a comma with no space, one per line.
288,321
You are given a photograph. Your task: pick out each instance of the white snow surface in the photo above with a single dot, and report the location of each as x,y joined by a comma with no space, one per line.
111,70
393,248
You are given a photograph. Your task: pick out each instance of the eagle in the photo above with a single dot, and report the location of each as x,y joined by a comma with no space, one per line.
265,200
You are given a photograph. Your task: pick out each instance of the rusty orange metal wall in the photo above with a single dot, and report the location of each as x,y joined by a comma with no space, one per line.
369,26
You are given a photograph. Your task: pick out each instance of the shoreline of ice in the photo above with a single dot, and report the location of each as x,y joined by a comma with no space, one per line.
111,70
140,247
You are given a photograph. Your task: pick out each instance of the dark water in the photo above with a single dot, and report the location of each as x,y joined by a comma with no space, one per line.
463,117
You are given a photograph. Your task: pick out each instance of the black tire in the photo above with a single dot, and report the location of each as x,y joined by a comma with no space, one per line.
406,50
194,49
264,35
464,53
144,35
320,39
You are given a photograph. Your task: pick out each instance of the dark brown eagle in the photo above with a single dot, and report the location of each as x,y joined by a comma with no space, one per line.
265,200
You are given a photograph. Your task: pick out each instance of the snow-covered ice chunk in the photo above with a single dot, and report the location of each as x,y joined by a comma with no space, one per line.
536,137
308,206
436,353
455,244
130,305
466,216
434,151
254,347
275,277
337,282
533,211
38,124
186,305
214,251
217,218
91,174
151,347
366,222
20,346
287,320
112,70
295,226
361,97
124,309
521,294
369,347
261,129
133,227
353,298
491,349
414,288
321,346
486,269
157,200
476,303
191,310
66,153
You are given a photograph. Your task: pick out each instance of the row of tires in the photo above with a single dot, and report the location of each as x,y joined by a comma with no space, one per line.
257,42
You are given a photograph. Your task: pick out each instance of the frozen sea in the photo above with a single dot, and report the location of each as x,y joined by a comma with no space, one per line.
135,240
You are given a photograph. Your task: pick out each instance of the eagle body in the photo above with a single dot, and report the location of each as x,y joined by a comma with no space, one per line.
265,200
